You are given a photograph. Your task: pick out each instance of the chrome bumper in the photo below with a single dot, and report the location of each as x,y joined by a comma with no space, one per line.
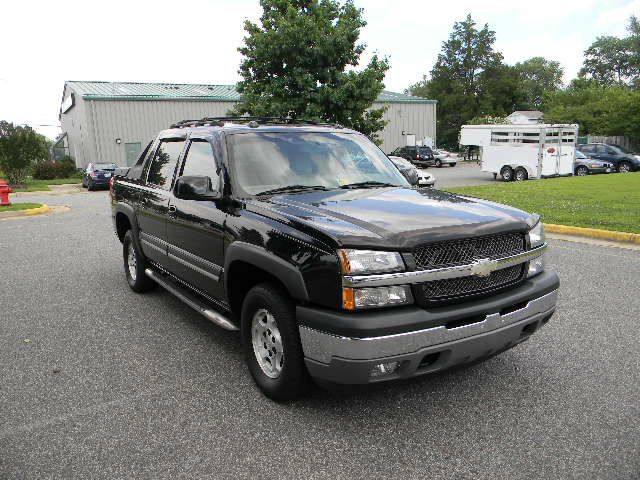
323,347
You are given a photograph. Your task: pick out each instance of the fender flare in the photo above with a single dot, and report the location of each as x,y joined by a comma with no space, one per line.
259,257
129,212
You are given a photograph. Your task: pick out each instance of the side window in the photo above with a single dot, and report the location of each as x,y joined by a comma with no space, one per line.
164,163
588,149
600,149
201,162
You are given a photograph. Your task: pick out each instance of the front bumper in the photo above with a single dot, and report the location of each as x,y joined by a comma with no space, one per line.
350,359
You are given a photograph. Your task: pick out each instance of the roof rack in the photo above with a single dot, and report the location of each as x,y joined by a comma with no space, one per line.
251,121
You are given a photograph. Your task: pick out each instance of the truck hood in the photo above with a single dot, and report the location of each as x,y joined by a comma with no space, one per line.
391,218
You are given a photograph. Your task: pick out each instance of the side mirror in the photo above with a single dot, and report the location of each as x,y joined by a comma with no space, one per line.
195,188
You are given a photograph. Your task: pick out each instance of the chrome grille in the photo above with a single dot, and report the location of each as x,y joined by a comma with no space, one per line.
460,286
464,252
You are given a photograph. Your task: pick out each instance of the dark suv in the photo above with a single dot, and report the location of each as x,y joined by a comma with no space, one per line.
622,160
421,156
308,240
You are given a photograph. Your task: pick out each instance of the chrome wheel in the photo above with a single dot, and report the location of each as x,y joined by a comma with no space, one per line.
267,343
132,262
624,167
582,171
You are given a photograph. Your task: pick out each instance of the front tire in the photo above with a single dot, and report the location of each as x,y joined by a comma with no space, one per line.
134,265
624,167
439,163
582,171
271,343
506,173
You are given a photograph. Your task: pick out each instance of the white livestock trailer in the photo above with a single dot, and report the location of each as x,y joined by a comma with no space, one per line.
523,151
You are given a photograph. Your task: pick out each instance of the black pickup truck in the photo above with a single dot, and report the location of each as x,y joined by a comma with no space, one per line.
308,240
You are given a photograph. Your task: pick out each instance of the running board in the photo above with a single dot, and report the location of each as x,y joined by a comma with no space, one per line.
192,301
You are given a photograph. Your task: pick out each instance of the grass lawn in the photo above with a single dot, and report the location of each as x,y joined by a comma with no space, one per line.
42,185
608,202
19,206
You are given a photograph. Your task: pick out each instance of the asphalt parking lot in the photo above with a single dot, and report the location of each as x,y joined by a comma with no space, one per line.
99,382
462,175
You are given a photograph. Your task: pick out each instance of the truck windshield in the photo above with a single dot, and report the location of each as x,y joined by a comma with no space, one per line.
267,161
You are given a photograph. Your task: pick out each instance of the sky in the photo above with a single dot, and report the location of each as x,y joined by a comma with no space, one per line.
196,41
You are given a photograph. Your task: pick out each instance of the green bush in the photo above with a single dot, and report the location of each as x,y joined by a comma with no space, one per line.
51,169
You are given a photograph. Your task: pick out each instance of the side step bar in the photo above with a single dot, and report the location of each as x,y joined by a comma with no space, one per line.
192,301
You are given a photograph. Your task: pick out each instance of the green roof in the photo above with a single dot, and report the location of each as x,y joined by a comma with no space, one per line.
188,91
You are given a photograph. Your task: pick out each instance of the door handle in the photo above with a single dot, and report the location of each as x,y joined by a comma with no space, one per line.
172,209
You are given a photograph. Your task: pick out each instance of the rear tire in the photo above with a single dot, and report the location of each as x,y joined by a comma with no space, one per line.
506,173
90,186
582,171
521,174
271,343
452,164
134,265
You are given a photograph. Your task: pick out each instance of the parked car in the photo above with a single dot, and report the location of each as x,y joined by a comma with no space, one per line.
309,241
622,160
406,169
426,179
421,156
584,165
97,175
442,157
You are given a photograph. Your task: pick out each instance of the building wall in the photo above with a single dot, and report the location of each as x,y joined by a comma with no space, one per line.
418,119
140,121
80,136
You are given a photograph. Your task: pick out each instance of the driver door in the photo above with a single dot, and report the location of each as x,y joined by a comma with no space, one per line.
195,228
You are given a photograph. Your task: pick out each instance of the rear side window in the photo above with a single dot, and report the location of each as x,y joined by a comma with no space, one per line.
201,162
164,163
588,149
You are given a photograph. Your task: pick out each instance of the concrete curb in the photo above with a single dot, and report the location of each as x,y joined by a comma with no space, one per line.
593,233
23,213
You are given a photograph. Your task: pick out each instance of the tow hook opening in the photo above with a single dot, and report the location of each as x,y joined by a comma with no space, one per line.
529,329
429,360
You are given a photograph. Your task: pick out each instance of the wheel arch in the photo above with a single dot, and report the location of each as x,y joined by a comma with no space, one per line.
124,219
247,265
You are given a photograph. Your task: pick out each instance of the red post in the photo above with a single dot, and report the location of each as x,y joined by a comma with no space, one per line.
4,194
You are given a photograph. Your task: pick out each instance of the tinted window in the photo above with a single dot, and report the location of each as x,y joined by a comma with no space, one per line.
588,149
105,166
200,161
164,163
613,151
425,151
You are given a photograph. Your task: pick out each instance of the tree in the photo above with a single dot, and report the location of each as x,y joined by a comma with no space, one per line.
598,109
468,80
612,60
300,61
537,75
20,147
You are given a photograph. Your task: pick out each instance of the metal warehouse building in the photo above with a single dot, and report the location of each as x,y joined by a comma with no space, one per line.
111,122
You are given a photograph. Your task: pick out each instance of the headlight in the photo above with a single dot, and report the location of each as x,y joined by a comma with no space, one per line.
536,235
359,298
356,262
536,238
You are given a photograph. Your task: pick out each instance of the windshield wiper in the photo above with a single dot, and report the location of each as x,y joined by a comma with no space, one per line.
292,189
367,184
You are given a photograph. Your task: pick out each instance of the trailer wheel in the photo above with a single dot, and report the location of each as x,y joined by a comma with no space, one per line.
506,173
521,174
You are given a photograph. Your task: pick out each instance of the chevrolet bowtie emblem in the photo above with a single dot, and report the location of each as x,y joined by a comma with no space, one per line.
483,267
